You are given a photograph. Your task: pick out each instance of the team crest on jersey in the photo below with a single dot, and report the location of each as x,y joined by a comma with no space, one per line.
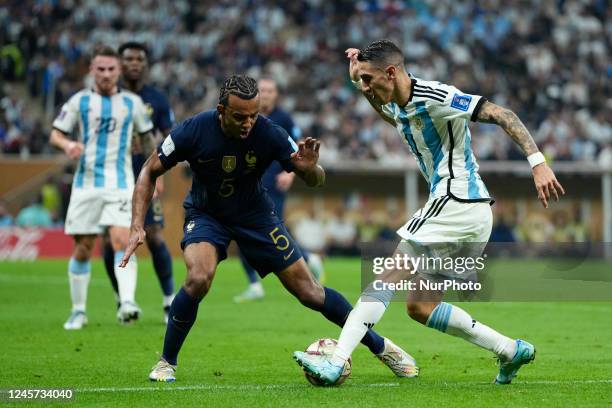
149,110
250,158
418,123
461,102
228,164
190,226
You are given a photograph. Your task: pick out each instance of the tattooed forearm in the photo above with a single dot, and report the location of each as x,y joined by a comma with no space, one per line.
512,125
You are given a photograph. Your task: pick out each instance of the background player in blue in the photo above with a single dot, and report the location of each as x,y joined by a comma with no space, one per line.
134,65
228,149
277,182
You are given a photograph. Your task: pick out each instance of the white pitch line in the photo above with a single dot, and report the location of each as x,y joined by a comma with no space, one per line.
256,387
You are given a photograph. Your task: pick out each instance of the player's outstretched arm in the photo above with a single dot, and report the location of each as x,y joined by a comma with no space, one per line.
305,162
141,198
71,148
545,181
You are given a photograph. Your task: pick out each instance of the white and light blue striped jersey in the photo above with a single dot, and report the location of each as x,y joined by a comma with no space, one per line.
434,123
106,124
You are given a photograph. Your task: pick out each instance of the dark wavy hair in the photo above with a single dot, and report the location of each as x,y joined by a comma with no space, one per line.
382,52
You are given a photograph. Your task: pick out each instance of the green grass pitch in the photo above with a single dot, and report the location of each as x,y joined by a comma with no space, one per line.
240,355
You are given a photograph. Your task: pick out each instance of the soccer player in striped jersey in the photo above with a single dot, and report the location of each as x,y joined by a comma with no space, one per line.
103,183
134,66
433,119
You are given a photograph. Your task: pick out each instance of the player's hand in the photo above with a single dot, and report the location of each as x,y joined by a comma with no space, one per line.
307,154
546,183
73,149
284,180
137,238
351,54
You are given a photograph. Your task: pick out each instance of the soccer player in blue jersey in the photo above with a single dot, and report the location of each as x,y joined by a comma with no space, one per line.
106,116
228,150
433,119
277,182
134,66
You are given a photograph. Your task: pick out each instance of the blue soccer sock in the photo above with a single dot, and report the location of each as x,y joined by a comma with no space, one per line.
250,271
162,262
336,309
182,316
109,264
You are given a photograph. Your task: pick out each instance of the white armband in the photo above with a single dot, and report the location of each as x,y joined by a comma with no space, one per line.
357,84
535,159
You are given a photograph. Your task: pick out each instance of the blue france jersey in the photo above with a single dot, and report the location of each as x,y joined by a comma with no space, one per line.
227,172
157,107
283,119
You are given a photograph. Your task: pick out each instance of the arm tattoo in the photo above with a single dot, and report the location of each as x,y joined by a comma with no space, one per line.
512,125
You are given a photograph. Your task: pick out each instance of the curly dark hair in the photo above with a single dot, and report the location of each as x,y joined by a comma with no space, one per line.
242,86
133,45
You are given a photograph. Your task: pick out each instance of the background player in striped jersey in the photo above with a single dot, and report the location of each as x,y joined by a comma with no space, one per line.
103,183
277,182
134,66
433,118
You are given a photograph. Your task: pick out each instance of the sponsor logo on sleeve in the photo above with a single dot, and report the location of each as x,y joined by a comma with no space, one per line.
461,102
168,146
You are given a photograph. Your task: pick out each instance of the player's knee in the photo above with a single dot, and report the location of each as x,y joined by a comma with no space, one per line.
311,295
199,279
83,248
417,311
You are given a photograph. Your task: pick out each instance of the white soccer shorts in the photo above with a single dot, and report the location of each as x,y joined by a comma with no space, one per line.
91,210
446,228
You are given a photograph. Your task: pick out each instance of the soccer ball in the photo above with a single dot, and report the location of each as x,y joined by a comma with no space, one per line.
325,347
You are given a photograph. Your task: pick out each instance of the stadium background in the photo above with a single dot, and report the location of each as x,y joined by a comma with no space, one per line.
549,61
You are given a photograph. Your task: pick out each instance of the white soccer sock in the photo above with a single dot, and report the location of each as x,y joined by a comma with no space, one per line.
126,278
78,276
457,322
365,314
168,300
257,286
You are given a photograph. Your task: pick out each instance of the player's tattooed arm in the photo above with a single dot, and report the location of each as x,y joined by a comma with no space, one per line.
510,122
544,178
305,162
141,198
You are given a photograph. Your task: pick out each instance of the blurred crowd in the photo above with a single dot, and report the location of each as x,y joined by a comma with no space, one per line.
546,60
354,221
